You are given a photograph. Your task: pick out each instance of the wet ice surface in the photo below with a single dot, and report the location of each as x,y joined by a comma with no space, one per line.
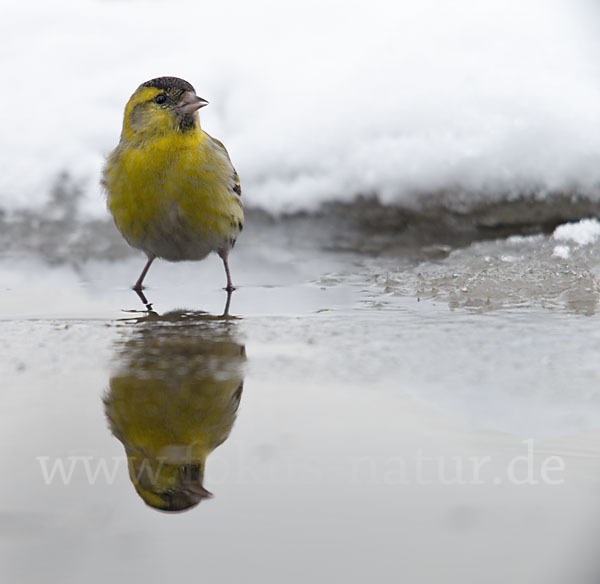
375,386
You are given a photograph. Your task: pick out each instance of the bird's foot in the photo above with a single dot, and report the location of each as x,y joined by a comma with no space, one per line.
229,290
142,297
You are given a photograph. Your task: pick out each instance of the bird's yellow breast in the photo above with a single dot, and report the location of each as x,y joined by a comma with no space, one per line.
172,195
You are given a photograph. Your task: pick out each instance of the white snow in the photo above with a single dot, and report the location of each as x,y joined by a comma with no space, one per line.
315,100
562,251
580,233
584,232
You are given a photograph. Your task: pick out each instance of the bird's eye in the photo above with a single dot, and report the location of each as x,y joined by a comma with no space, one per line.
160,98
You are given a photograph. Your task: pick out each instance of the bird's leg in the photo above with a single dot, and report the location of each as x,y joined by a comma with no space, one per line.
227,303
138,285
144,300
137,288
230,287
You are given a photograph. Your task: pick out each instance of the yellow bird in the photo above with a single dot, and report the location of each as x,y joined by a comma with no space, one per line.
171,187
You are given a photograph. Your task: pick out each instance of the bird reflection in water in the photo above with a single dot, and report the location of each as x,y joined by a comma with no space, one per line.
172,400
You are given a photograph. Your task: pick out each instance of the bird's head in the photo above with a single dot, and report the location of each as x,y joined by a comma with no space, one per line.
159,107
166,485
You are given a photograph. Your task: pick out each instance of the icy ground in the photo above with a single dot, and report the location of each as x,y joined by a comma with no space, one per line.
364,353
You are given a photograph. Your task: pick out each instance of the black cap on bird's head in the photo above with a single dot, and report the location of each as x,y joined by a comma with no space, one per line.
169,83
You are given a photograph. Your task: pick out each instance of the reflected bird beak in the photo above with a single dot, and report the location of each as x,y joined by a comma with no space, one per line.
197,491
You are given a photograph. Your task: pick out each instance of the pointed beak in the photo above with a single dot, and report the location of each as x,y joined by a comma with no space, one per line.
189,103
197,491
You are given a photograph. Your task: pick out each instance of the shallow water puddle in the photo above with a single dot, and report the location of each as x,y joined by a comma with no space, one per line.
346,411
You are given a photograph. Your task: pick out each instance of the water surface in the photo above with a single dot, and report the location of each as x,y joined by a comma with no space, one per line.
427,414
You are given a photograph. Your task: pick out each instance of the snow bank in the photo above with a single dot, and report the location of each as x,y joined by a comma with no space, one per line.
316,100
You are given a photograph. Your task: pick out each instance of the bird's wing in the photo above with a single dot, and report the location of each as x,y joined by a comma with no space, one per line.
236,187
